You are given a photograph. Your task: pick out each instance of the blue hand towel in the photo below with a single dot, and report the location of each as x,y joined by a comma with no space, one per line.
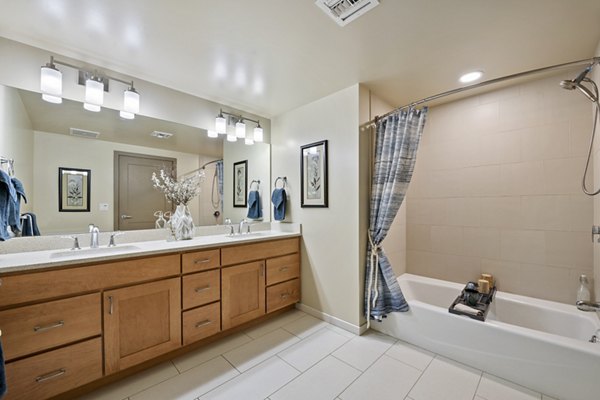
8,197
278,198
254,206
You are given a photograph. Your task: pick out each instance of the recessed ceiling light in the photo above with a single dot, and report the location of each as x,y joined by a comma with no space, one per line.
161,135
471,76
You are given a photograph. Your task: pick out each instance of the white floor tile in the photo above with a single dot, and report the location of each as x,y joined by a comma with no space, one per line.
494,388
192,383
305,326
411,355
341,331
210,351
274,324
325,381
544,397
386,379
134,384
313,349
446,380
258,350
256,383
362,351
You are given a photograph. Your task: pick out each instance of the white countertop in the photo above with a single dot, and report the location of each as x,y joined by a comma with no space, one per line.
34,260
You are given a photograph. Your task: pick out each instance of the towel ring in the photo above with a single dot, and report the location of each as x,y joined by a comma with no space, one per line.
257,184
283,180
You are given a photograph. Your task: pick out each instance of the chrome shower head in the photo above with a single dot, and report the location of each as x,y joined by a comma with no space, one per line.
568,84
572,84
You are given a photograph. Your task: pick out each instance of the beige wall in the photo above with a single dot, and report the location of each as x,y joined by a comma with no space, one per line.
96,155
332,247
596,161
497,189
16,140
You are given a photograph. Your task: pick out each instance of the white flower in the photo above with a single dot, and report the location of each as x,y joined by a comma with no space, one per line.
178,192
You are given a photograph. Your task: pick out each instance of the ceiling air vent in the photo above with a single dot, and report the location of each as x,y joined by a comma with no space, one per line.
161,135
84,133
346,11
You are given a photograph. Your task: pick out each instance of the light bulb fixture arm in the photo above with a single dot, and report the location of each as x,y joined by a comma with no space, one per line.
240,117
94,74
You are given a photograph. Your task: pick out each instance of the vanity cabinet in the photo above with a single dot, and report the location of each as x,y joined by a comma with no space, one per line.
68,326
141,322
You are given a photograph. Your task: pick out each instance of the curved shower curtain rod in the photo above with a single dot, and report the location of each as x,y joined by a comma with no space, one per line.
590,61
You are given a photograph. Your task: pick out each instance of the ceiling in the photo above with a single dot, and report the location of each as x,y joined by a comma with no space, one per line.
270,56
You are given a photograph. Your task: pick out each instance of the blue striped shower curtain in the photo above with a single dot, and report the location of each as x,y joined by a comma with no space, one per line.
397,141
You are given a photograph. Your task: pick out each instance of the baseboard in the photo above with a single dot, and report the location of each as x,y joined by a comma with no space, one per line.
340,323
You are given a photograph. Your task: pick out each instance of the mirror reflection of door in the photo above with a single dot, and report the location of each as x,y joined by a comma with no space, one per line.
136,198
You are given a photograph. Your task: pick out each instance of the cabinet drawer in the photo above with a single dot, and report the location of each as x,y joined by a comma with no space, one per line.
42,326
259,251
24,288
201,288
48,374
283,268
201,323
200,260
283,294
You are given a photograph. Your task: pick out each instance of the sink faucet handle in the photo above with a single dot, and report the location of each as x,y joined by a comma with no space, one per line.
111,242
230,226
75,241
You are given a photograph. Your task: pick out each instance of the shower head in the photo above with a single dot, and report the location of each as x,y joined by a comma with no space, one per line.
572,84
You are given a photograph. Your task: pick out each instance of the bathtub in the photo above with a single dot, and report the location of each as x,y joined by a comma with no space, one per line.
540,344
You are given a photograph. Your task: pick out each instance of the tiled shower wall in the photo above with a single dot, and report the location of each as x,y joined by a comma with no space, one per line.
496,189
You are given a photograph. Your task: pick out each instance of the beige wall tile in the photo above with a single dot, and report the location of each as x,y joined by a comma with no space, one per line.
563,175
551,212
506,274
544,142
501,212
523,246
569,249
526,178
462,269
418,237
426,211
581,208
544,282
481,181
482,242
464,211
447,239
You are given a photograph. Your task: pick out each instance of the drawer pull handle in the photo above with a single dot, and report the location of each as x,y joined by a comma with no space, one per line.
285,295
262,269
202,289
203,323
202,261
283,269
50,375
48,327
110,303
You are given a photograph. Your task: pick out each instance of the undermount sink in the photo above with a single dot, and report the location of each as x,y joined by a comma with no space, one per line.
100,251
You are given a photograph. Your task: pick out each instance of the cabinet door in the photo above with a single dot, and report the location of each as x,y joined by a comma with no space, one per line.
141,322
243,293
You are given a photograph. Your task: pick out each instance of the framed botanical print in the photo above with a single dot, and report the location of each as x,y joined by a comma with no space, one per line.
74,189
240,183
313,166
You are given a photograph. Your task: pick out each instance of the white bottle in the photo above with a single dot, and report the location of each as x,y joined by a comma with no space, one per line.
583,294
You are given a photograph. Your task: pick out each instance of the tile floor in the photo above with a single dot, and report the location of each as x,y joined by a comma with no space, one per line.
296,356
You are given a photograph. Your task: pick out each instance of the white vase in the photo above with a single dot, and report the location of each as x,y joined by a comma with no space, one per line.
182,224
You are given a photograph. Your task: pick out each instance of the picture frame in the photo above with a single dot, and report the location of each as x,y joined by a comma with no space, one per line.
240,183
74,189
314,175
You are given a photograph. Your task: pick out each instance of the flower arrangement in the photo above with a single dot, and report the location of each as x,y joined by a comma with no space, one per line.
178,192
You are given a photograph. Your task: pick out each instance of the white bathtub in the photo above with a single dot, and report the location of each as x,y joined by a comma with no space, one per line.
539,344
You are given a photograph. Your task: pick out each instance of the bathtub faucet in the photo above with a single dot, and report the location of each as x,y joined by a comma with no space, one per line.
587,306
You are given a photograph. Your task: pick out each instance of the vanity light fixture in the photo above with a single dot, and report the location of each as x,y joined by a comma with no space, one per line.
212,134
240,128
51,83
470,76
95,86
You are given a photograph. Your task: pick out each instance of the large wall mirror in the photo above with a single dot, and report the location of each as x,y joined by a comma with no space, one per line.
43,137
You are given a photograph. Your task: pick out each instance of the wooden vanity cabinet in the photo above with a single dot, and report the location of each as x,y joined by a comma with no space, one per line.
141,322
243,295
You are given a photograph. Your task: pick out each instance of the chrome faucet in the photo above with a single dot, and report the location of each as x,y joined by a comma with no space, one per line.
95,232
587,306
111,241
241,227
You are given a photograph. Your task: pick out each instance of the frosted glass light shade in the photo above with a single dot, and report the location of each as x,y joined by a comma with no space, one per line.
51,84
221,125
231,138
212,134
131,101
240,129
126,115
258,134
94,92
91,107
249,141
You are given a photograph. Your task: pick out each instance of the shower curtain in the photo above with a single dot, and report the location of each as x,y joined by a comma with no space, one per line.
397,140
